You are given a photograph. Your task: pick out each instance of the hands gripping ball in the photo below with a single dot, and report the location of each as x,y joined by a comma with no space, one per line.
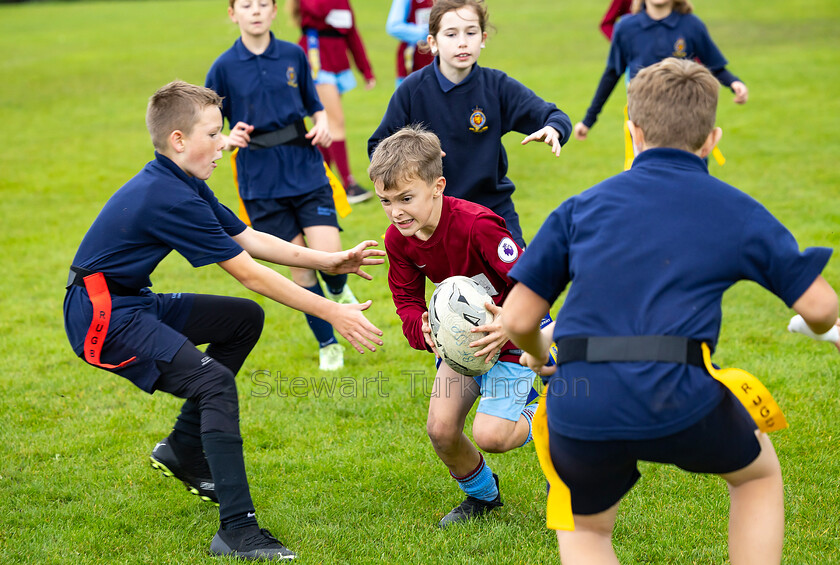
456,307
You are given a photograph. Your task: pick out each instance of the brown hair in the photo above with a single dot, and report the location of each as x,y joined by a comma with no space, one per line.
232,2
177,106
679,6
674,103
442,7
412,152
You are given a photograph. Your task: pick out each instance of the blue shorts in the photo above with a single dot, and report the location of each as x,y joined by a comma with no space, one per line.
600,473
343,80
286,217
505,390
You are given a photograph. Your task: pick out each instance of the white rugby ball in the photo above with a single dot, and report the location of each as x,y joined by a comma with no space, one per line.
457,306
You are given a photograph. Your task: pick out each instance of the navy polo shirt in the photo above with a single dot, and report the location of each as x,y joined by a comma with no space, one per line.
270,91
651,252
470,119
640,41
160,209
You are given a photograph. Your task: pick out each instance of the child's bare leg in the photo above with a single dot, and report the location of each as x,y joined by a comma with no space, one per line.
591,541
756,511
452,397
323,238
497,435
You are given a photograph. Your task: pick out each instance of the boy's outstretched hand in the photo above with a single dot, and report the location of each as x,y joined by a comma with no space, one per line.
351,261
348,320
495,338
741,92
549,135
797,325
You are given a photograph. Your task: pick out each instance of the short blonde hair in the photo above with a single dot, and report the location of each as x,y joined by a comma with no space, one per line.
177,106
679,6
413,152
674,102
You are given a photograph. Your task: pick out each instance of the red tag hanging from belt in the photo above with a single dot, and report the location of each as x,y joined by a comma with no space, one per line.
100,298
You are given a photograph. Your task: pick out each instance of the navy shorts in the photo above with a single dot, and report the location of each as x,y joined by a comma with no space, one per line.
600,473
286,217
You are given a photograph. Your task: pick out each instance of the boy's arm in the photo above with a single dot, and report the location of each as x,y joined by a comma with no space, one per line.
817,313
265,246
320,132
398,27
408,289
357,49
524,309
347,319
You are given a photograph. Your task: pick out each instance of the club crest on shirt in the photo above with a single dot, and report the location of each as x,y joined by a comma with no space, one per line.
507,250
679,48
478,121
291,77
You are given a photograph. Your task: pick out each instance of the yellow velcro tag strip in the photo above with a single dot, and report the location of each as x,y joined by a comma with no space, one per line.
342,206
243,215
629,154
751,393
559,507
718,156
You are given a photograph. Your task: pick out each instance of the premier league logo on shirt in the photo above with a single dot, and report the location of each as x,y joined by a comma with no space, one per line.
291,77
478,121
507,250
679,48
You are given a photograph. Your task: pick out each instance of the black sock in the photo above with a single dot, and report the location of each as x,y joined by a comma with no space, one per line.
224,454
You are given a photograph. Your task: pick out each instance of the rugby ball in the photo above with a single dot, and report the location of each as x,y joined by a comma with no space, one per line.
457,306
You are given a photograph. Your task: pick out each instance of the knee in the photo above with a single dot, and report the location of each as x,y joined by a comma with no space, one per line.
490,439
304,277
443,434
255,315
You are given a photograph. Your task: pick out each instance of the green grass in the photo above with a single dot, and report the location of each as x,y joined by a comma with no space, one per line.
351,477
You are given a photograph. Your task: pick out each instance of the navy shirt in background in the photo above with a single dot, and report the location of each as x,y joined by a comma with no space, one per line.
159,210
470,119
651,252
270,91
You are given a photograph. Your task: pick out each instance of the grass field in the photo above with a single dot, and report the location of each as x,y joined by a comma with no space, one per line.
350,476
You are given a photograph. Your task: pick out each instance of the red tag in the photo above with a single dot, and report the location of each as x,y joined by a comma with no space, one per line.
100,298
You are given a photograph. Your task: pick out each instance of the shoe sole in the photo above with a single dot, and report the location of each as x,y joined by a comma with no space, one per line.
191,489
360,198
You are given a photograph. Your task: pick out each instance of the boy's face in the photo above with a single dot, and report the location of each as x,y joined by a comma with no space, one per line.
413,206
203,146
253,16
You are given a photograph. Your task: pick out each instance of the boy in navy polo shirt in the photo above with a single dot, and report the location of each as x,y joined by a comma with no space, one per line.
649,254
657,29
267,89
114,322
435,236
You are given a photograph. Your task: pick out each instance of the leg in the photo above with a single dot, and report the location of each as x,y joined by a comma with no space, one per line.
756,512
502,421
497,435
452,397
591,541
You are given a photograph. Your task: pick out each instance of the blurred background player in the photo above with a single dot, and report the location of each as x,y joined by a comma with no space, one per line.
408,21
329,32
657,29
470,108
435,236
649,254
279,172
115,322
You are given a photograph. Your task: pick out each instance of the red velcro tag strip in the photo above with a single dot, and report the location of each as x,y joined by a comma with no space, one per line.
100,298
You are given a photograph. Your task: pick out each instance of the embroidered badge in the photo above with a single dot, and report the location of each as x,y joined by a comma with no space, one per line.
679,48
507,250
478,120
291,77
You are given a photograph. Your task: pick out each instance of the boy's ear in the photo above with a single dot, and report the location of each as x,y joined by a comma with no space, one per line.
177,141
711,142
440,184
637,135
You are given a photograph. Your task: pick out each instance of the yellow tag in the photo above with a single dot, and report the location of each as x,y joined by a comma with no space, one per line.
751,393
559,507
342,206
718,156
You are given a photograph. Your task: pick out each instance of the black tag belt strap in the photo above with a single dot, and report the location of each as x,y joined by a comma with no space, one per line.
292,134
77,278
656,348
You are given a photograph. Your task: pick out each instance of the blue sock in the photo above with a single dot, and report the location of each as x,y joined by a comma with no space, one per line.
323,331
335,283
479,483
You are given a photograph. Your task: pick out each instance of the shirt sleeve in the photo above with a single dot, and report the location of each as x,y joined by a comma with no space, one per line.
616,66
707,51
215,82
525,112
771,257
496,245
398,26
396,116
308,92
544,265
408,287
357,50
